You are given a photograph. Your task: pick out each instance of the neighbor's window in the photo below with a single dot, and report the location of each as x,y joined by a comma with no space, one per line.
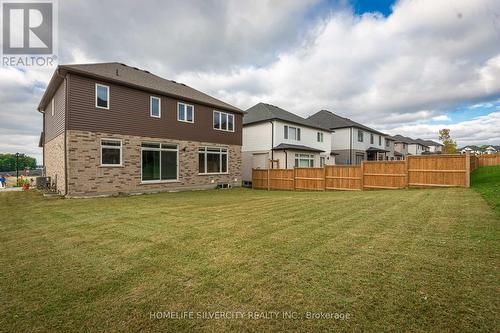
404,145
371,138
212,160
322,161
360,135
387,143
155,107
292,133
304,161
380,140
159,162
359,158
223,121
101,96
320,136
111,152
185,112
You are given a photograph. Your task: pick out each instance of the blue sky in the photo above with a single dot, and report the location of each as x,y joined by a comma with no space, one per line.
412,70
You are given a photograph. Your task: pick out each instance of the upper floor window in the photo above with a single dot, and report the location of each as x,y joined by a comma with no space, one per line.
101,96
111,152
292,133
380,140
185,112
371,138
320,136
223,121
387,143
155,107
404,145
360,135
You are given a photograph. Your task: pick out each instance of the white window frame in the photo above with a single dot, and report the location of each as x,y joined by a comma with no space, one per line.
220,123
109,96
220,156
185,112
322,161
113,147
320,137
160,150
362,134
308,157
297,135
151,98
52,107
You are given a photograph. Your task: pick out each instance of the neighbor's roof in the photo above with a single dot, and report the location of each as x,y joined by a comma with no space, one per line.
406,139
428,142
283,146
262,112
378,150
137,78
329,119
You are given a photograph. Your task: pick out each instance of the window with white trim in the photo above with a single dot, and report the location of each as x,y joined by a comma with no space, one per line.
101,96
223,121
371,138
360,136
159,162
380,140
212,160
304,161
322,161
320,136
292,133
155,107
111,152
185,112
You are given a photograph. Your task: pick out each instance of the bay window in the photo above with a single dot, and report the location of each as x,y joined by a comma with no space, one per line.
304,161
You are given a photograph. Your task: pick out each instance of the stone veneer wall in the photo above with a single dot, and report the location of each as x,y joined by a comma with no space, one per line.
54,162
87,177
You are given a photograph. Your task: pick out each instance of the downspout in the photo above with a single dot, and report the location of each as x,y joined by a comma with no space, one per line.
65,133
350,148
272,140
286,159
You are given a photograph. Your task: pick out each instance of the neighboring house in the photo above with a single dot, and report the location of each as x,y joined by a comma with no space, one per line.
434,147
390,145
276,138
471,149
492,150
352,141
110,128
412,146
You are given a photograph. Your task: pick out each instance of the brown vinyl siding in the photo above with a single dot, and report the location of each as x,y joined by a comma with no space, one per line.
129,114
54,125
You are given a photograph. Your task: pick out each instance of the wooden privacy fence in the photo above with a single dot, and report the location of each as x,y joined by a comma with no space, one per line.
415,171
488,160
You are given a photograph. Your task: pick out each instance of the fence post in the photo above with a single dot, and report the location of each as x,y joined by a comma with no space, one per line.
362,181
467,169
407,173
294,178
324,177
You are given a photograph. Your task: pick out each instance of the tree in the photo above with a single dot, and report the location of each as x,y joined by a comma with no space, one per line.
450,146
8,162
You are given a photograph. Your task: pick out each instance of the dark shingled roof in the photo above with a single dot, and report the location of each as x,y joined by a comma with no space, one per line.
142,79
428,142
283,146
262,112
406,139
331,120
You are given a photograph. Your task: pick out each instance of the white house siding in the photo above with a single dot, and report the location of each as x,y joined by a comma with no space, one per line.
257,137
344,147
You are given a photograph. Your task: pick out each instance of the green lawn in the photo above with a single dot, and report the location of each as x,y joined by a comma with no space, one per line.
486,180
405,260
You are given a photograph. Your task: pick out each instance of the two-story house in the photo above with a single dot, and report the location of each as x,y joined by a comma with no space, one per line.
409,146
276,138
110,128
390,145
433,146
352,141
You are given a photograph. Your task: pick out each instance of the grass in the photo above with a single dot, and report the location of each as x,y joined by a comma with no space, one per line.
486,181
405,260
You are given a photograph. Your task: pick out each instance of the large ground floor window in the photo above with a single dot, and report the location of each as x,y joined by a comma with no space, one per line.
304,161
159,162
212,160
